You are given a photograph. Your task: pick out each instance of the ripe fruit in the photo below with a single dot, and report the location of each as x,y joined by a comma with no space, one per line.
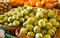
51,13
26,17
36,0
51,32
30,20
6,23
49,5
21,2
45,19
1,17
31,14
21,20
10,24
23,31
30,0
53,21
39,4
33,3
10,19
6,14
16,23
20,14
39,15
23,28
36,21
43,31
48,25
46,1
37,29
58,18
5,19
15,17
41,23
57,24
27,3
1,21
25,12
30,27
44,11
31,34
39,9
54,28
10,14
47,36
39,35
24,24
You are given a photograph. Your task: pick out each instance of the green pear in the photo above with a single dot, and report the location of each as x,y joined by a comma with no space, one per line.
5,19
45,19
6,24
15,17
44,11
23,28
31,14
1,17
30,20
39,9
51,32
6,14
58,18
25,12
30,27
31,34
26,17
37,29
39,15
39,35
53,21
57,24
10,24
1,21
20,14
23,31
43,31
36,21
16,23
10,19
47,36
21,20
41,23
51,13
25,24
48,25
54,28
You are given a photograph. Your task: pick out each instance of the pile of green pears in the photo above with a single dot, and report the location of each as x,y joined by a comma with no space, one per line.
36,22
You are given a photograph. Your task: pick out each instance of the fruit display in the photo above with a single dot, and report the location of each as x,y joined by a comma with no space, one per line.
31,17
35,22
35,3
17,16
4,7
